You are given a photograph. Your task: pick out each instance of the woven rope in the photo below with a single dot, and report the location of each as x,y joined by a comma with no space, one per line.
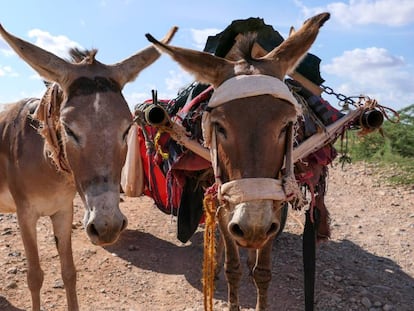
163,154
47,113
209,260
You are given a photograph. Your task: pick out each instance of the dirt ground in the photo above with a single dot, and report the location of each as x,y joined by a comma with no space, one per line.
367,265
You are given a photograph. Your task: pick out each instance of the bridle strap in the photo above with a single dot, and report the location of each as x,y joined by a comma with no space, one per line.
250,189
214,156
242,190
243,86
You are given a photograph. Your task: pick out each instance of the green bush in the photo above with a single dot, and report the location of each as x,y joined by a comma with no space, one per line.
402,134
392,146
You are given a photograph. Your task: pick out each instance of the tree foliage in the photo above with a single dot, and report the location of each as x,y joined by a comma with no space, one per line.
392,146
393,139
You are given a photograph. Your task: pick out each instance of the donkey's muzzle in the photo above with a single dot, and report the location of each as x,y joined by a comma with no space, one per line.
254,222
103,219
104,231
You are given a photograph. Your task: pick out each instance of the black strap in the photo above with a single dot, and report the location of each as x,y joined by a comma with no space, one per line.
309,246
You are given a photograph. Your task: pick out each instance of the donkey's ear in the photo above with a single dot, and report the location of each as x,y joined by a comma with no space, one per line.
294,48
205,67
46,64
128,69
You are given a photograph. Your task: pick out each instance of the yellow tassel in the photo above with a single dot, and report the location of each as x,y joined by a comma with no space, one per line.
163,154
209,262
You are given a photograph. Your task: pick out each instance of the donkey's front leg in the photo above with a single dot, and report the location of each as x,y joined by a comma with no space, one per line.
232,269
62,228
27,223
219,258
262,274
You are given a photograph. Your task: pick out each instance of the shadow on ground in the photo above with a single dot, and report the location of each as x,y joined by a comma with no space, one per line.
5,305
342,267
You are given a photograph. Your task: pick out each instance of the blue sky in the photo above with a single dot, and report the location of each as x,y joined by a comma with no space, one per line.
366,47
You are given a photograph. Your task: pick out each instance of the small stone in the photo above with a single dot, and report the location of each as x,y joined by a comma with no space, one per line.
7,231
12,270
59,284
387,307
15,254
366,302
11,285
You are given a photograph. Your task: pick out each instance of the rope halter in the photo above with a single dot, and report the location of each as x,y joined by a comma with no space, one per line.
241,190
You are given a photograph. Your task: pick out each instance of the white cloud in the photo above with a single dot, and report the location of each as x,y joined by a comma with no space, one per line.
5,49
7,71
174,82
58,45
357,60
35,77
200,36
374,72
135,98
177,80
359,12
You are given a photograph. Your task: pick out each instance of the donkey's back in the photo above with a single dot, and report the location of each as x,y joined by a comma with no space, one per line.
24,171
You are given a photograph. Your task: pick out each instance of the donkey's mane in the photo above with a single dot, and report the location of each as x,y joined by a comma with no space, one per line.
79,56
243,53
244,47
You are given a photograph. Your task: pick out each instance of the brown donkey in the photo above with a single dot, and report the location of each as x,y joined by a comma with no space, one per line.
248,126
72,140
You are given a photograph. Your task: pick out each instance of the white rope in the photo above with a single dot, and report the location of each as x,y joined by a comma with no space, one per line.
252,85
250,189
243,86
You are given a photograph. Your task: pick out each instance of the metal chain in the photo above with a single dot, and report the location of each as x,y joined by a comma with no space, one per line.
363,101
344,100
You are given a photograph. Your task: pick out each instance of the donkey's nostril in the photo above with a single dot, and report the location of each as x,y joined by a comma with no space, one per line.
236,230
274,228
124,224
92,230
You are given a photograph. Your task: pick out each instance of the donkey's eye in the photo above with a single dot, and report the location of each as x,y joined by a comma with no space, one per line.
283,131
71,134
220,129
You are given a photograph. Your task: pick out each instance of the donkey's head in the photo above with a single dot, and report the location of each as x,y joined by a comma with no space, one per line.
85,120
249,126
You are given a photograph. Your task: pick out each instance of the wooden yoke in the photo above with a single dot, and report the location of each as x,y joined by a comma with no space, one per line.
308,84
